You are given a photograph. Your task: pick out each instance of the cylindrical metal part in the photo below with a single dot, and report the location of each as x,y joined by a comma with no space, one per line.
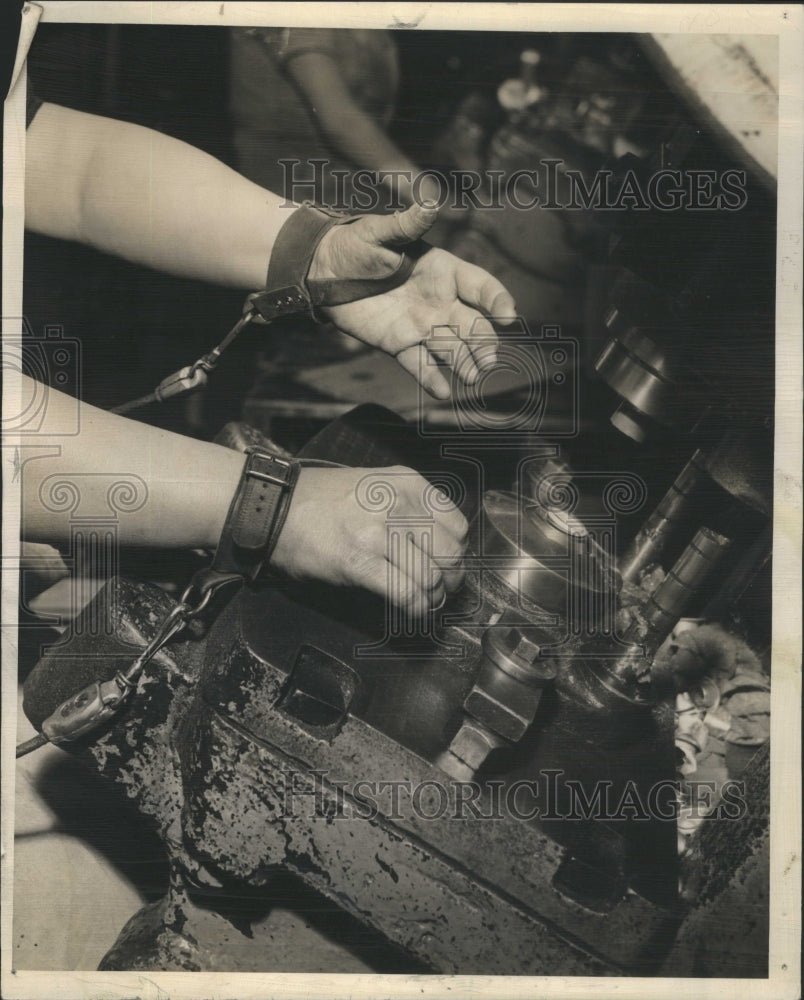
628,677
652,538
531,549
673,595
750,564
629,422
648,375
528,61
639,372
469,748
506,693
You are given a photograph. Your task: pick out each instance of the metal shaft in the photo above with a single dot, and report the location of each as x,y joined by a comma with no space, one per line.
692,569
653,537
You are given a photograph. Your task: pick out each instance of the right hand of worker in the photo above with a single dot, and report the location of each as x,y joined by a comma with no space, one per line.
337,531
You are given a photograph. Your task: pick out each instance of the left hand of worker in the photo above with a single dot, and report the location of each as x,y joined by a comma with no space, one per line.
441,311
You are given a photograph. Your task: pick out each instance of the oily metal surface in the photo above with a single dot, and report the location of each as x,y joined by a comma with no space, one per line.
209,761
241,692
399,884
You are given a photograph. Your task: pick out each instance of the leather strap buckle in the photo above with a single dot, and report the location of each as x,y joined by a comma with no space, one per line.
288,289
257,514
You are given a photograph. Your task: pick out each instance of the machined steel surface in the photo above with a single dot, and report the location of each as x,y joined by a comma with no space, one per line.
518,858
673,511
639,372
536,551
688,574
316,747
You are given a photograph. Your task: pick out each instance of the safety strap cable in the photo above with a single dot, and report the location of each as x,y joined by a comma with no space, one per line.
191,377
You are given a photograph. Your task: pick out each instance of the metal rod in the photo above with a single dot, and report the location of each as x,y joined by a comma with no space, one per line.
692,569
653,537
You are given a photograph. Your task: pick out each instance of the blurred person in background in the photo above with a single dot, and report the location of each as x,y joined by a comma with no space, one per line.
324,94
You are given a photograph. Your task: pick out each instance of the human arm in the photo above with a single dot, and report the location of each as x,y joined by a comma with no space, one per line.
188,485
151,199
156,201
350,130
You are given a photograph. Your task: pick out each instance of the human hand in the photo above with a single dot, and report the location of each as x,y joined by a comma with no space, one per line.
444,295
335,531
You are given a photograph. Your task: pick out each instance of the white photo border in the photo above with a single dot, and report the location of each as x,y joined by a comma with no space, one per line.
786,22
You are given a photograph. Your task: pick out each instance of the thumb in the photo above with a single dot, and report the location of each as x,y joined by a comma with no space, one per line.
401,228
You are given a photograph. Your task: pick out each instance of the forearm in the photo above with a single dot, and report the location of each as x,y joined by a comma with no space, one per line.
148,198
188,485
359,139
366,145
348,128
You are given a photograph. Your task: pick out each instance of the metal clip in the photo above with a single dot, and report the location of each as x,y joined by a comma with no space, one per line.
172,625
184,380
203,587
100,701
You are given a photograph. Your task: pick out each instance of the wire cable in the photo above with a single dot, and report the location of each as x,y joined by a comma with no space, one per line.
30,745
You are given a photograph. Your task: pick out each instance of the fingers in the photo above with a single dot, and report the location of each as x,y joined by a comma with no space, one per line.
480,336
447,558
478,288
459,334
399,229
341,529
402,593
406,587
441,544
447,346
416,563
477,343
467,355
416,582
419,362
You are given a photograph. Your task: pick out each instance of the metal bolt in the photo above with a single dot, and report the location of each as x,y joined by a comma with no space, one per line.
521,646
473,743
515,653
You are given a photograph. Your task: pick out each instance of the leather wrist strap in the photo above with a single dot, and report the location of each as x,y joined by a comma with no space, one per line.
256,514
287,288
